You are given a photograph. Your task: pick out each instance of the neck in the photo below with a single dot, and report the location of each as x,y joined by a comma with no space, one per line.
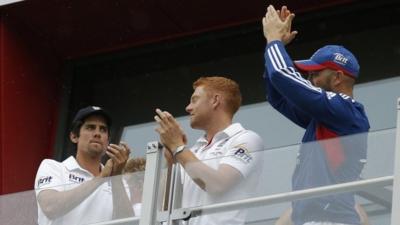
347,91
91,164
217,125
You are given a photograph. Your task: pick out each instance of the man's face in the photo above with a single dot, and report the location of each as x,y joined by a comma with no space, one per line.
322,78
199,108
94,136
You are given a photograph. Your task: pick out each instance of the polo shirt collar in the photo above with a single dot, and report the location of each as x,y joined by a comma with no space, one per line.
71,164
230,131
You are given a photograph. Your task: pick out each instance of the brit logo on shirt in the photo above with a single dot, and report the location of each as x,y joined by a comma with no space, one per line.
243,154
44,180
76,179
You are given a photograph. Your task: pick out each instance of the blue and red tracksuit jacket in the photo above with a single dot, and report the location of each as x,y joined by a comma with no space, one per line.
323,159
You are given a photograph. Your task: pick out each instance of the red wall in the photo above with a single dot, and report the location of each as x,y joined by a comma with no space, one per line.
29,79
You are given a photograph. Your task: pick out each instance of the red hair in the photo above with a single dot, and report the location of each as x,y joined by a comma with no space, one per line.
227,87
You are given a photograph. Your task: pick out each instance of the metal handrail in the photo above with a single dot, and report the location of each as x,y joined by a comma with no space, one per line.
127,220
185,213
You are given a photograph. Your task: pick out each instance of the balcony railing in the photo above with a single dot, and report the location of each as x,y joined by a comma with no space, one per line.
267,197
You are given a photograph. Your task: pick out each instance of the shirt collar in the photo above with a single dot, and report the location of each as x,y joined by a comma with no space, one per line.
71,164
230,131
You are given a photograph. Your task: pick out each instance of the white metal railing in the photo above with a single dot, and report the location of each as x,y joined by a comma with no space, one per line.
395,220
151,183
149,215
129,220
282,197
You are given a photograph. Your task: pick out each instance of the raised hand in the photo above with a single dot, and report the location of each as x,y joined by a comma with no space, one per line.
290,35
107,169
171,133
118,154
277,25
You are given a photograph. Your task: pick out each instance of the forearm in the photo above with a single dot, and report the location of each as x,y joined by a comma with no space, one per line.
122,206
55,204
278,101
210,180
273,96
172,137
290,84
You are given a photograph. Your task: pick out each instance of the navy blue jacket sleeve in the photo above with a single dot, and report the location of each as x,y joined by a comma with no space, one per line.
285,107
324,106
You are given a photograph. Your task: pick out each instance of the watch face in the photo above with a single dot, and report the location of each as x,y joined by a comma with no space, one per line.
179,149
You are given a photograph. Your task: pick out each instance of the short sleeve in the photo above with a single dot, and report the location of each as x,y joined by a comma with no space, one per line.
243,153
49,176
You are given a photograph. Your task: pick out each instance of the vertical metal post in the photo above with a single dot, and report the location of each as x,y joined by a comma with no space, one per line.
171,193
176,195
396,178
151,183
173,196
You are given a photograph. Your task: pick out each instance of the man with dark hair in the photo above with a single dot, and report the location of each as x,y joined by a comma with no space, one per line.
75,191
223,164
324,106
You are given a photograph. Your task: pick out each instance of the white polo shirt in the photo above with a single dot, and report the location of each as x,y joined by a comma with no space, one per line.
67,175
237,148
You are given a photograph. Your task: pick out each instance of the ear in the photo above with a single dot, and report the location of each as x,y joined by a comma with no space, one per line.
73,138
338,78
216,100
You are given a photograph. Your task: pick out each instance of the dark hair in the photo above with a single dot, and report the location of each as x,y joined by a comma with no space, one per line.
76,127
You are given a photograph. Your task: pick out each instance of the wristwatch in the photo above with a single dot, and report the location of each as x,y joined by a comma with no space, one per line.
178,150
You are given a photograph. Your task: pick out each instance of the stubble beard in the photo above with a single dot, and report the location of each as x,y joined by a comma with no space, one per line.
96,151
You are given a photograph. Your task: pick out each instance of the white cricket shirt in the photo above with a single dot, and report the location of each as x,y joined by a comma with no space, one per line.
67,175
237,148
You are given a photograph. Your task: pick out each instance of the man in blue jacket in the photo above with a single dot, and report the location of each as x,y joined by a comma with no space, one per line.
324,106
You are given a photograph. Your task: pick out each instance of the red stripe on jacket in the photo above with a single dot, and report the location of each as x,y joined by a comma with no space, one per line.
333,148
